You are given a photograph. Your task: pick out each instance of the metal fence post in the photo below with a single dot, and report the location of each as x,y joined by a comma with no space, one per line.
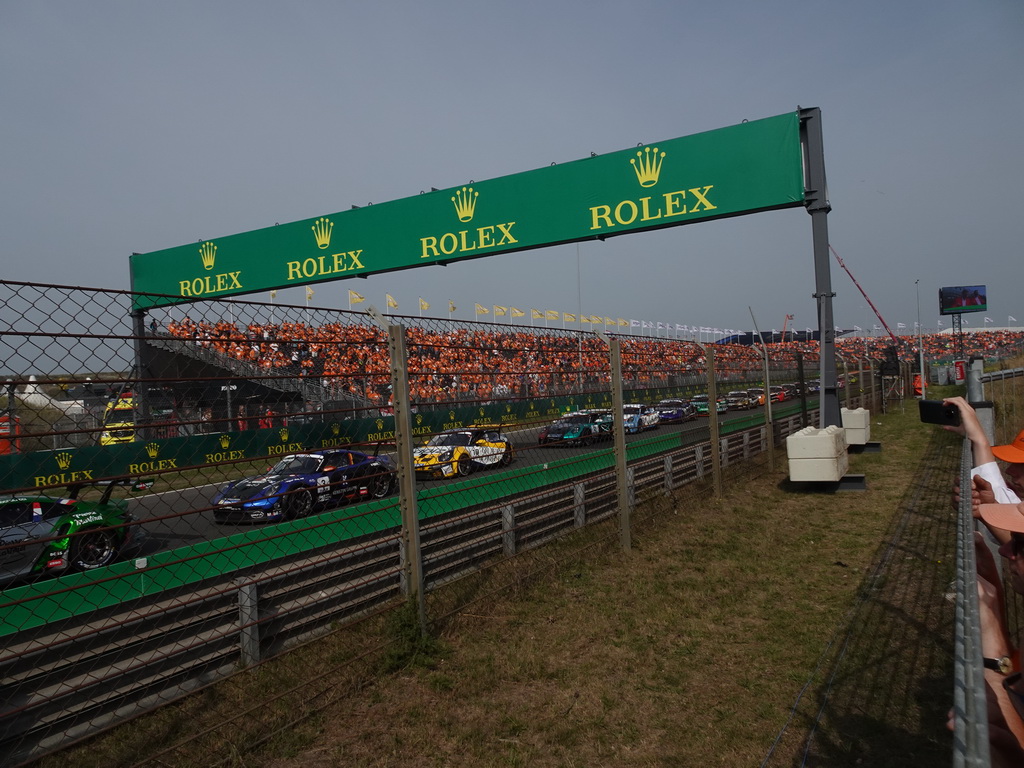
874,385
716,448
412,568
769,426
248,626
975,389
619,428
508,529
579,505
803,390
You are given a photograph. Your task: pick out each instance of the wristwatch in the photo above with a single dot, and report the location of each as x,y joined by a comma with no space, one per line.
1001,665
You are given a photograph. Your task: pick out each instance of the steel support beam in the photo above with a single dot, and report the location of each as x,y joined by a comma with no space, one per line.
817,205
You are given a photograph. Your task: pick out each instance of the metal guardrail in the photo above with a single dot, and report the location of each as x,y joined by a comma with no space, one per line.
970,710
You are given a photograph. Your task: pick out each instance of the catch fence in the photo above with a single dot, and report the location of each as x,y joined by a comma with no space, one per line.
194,490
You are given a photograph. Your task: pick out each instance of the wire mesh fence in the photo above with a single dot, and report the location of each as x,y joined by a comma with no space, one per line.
192,490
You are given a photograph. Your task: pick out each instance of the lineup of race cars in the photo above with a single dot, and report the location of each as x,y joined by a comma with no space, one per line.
43,535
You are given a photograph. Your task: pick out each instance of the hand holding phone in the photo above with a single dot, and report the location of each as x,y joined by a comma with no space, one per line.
938,412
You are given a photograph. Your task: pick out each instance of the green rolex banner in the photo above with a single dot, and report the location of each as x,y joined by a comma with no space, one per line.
745,168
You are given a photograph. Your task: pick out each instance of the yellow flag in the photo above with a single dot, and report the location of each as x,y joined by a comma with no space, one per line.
595,319
536,314
451,305
552,314
518,312
391,301
609,321
273,295
355,298
500,311
309,293
424,306
623,323
566,317
482,310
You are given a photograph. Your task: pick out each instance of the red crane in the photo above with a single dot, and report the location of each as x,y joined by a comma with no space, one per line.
870,303
784,324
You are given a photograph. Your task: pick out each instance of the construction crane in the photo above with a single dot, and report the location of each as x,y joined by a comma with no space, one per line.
862,293
784,324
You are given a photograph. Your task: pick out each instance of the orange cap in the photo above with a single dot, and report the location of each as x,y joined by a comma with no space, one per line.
1014,452
1008,517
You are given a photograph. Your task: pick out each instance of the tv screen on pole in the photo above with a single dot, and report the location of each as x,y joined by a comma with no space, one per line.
958,299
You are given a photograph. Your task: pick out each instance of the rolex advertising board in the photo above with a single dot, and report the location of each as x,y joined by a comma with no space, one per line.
745,168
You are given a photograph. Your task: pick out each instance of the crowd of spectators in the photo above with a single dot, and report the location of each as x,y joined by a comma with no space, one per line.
483,362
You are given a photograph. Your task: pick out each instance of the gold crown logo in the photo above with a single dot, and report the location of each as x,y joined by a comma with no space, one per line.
481,411
419,418
208,252
508,408
648,166
335,429
465,203
322,232
152,449
451,414
225,441
380,423
63,459
284,434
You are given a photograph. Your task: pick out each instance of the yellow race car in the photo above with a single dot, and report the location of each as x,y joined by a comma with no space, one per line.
461,451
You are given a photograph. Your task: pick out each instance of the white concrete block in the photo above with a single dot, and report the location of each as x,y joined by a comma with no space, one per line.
857,423
828,470
813,443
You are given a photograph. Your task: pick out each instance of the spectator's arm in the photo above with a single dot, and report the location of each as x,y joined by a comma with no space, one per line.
971,428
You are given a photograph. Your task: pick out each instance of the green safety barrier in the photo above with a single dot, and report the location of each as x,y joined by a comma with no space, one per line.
43,602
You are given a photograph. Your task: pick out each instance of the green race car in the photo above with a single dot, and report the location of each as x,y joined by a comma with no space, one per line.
43,535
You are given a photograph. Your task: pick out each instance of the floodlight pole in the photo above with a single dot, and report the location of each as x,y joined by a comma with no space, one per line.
817,205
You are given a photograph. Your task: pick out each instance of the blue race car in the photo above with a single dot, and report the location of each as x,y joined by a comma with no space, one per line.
580,428
302,482
675,411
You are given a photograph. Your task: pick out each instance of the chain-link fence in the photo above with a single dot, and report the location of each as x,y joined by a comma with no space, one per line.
193,490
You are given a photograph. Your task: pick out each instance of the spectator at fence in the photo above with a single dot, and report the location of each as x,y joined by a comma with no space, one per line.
1004,686
989,486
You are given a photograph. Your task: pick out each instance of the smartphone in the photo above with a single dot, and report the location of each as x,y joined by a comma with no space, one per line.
937,412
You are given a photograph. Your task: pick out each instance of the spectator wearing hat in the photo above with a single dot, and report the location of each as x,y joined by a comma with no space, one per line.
989,484
1005,686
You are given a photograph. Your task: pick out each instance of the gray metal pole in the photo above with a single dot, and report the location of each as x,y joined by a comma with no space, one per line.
817,205
619,428
768,423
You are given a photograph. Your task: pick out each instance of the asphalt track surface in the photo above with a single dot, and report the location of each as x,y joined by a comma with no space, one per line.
179,518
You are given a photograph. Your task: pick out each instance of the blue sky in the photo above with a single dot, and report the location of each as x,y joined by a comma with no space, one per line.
137,126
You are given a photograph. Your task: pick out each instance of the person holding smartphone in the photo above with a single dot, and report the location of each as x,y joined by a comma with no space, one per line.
990,487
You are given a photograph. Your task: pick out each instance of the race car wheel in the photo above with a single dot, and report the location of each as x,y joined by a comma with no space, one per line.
93,549
506,457
298,504
464,467
587,438
380,486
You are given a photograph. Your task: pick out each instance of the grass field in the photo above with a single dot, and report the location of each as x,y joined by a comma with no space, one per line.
772,627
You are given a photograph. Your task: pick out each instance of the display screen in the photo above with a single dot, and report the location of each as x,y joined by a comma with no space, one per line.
958,299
